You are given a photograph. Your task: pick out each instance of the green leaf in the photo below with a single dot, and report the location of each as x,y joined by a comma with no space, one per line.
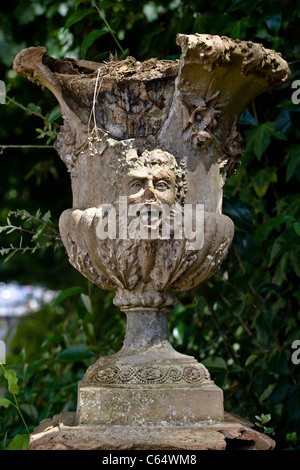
9,256
47,217
87,302
239,213
295,260
215,364
243,242
264,328
31,411
124,54
281,391
246,118
239,28
4,251
292,437
278,364
262,180
12,380
19,442
84,305
268,430
251,359
266,418
278,220
296,226
263,232
243,5
259,138
5,401
78,16
273,22
282,243
293,403
36,365
283,122
38,233
293,166
67,293
34,108
281,269
81,308
266,392
55,339
4,228
90,39
55,114
79,2
75,353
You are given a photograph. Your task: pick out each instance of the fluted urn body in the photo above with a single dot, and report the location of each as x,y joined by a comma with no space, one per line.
161,137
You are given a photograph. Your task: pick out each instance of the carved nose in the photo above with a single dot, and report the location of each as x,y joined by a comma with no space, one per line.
149,195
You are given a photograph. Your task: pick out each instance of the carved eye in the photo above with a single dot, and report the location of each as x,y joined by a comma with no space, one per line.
161,185
136,185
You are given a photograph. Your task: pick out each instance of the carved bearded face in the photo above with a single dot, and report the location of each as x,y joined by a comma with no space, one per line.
151,183
151,178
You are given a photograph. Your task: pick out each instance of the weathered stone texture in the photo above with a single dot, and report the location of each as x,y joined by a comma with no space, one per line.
61,433
149,405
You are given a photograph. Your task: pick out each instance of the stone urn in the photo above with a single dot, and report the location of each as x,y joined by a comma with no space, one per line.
146,143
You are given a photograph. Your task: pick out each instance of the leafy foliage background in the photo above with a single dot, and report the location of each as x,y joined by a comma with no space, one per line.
242,322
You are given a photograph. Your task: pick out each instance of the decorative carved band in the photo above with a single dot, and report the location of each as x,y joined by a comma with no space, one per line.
150,374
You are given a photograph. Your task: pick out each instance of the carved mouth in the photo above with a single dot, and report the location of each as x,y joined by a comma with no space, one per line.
151,215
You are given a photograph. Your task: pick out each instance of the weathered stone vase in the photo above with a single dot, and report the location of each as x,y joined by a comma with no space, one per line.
153,133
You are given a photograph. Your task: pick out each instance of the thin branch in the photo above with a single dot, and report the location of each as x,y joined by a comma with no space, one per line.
17,405
37,219
108,26
3,147
31,232
16,103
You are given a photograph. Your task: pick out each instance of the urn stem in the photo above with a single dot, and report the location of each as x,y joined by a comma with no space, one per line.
146,326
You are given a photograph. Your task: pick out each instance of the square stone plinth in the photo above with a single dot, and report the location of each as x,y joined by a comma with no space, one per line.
149,405
63,433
